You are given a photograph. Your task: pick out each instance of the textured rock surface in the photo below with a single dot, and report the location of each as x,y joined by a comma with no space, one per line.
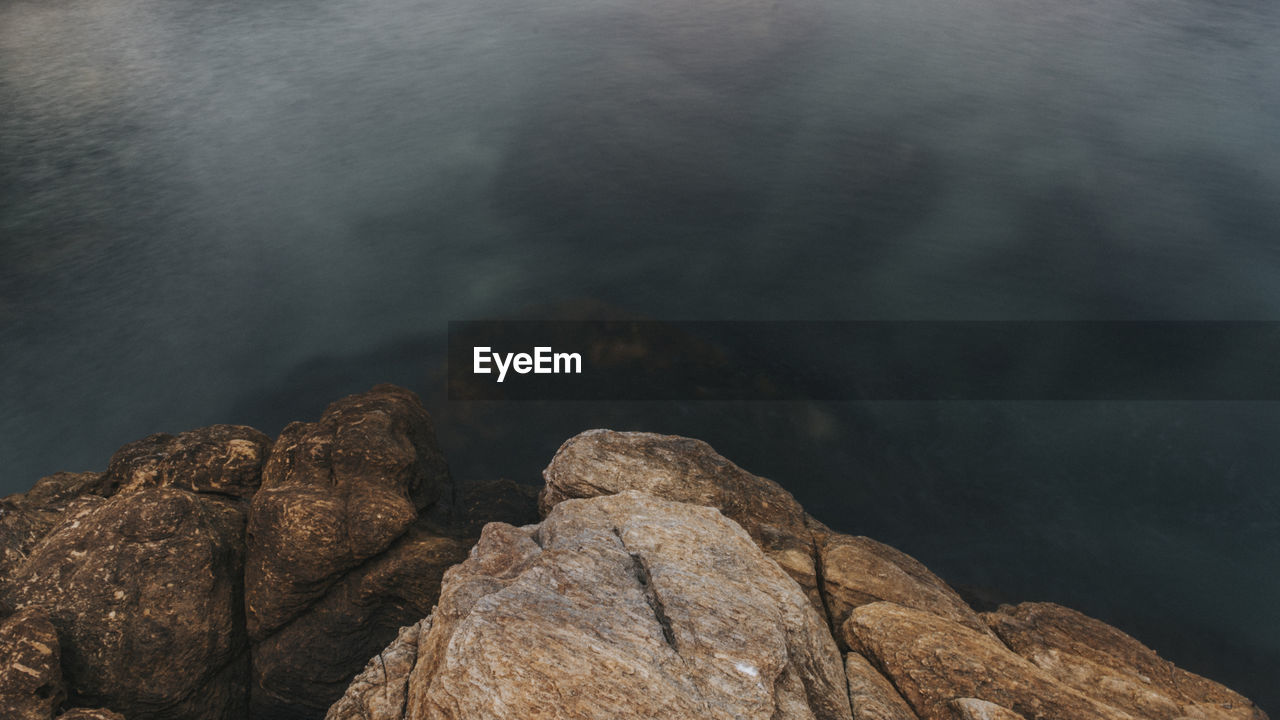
335,493
90,714
60,489
382,689
871,696
1103,662
603,462
974,709
664,582
858,570
144,592
221,459
933,661
31,685
301,669
344,547
624,606
26,518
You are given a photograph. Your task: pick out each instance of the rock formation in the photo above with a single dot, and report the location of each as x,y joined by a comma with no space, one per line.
25,519
603,462
857,571
142,570
90,714
1099,660
838,572
871,696
31,685
222,459
934,661
129,580
345,545
623,606
219,575
974,709
334,494
300,669
918,652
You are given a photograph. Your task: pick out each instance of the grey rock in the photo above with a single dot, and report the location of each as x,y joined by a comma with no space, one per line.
604,462
621,606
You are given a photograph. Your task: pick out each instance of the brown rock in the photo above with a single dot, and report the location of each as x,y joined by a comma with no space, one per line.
1109,665
222,459
858,571
20,530
90,714
144,592
973,709
27,518
626,606
59,489
31,685
382,690
335,493
871,696
933,661
604,462
300,670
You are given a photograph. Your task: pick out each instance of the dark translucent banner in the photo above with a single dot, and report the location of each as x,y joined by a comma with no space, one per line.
863,361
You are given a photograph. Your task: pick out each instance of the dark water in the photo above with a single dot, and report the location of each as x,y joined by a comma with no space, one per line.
233,211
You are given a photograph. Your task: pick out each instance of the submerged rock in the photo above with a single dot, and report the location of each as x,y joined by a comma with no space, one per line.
624,606
58,490
494,501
